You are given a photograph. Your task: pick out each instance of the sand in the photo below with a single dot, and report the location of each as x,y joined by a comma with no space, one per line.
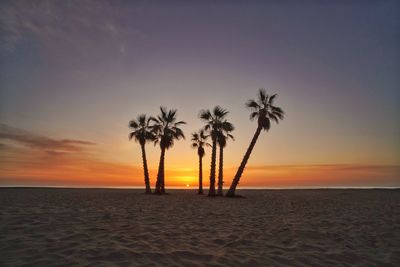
99,227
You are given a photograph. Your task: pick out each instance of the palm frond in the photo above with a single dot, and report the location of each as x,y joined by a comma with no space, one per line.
163,112
277,110
133,124
272,99
131,135
227,126
273,117
141,119
262,95
179,133
171,117
195,137
156,141
252,104
205,115
180,123
203,135
253,115
151,119
220,112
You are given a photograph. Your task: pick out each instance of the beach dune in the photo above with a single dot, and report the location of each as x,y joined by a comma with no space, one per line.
104,227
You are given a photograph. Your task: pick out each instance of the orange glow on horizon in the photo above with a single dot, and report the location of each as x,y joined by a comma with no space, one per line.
71,163
93,173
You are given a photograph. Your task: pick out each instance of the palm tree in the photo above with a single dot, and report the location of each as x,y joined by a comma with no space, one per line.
142,133
199,140
223,135
265,111
166,130
213,122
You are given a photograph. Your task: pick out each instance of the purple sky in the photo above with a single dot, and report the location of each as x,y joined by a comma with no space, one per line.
82,69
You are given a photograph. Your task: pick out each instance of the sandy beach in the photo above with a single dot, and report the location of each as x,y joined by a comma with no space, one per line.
101,227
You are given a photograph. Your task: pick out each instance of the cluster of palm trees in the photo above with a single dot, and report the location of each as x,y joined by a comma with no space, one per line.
164,130
218,128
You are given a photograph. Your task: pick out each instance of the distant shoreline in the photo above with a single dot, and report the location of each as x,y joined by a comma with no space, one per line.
194,189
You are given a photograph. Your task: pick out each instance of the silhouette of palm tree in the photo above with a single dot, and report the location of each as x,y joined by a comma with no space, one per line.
213,122
265,111
223,135
142,133
199,140
166,130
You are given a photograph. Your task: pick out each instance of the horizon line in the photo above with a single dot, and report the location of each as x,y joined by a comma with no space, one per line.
194,188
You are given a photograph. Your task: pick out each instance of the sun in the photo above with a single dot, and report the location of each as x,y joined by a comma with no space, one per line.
187,185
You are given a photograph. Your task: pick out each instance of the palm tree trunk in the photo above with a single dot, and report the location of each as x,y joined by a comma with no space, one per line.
246,157
163,177
200,175
211,192
146,171
157,190
221,172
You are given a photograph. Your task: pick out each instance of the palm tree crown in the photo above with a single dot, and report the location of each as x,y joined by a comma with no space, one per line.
264,110
142,129
166,128
213,120
199,140
223,134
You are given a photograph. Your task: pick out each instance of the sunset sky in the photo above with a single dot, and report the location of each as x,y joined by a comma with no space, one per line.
73,73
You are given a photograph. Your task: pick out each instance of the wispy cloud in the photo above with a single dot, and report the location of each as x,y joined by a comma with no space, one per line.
30,159
43,143
27,158
326,167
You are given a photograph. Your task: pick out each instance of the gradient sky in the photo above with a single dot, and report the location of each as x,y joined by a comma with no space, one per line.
73,73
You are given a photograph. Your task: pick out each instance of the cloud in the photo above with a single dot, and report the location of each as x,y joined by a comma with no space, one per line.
28,158
43,143
325,167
